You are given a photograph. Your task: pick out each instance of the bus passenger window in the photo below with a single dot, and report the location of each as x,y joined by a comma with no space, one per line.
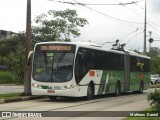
78,67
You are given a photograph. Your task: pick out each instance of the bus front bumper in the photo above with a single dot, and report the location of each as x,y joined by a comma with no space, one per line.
72,92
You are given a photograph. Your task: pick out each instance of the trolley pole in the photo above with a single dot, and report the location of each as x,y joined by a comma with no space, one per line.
27,78
144,49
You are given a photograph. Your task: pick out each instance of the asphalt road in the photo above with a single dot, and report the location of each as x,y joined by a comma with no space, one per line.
130,102
11,89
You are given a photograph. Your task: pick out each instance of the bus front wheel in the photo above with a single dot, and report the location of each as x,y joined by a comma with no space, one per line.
52,97
90,92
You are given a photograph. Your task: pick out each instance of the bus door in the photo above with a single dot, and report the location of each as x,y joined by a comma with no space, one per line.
126,71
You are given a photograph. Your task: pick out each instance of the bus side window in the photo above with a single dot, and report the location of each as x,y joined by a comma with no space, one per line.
89,61
79,67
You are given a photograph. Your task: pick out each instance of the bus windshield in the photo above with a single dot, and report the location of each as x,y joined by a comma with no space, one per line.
53,63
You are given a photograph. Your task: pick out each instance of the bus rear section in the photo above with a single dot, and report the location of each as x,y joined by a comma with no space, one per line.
137,72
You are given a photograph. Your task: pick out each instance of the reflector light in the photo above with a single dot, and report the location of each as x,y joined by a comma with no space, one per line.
91,73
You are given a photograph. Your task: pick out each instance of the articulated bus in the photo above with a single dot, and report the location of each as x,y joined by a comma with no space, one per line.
77,69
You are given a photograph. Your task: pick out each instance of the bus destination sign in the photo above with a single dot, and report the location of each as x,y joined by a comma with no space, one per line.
59,48
56,47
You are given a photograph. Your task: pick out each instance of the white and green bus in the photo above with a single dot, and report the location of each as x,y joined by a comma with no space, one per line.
77,69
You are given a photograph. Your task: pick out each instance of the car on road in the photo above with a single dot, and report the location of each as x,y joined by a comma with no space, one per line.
155,78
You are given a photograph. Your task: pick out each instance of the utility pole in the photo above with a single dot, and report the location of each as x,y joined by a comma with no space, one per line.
27,78
144,49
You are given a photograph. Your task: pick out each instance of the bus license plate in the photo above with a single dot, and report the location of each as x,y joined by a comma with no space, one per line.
50,91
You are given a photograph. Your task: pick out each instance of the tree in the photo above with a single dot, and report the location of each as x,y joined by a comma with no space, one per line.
12,52
57,26
53,26
155,62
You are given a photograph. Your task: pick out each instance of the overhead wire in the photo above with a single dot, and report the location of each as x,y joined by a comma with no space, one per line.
124,22
82,4
130,9
78,3
90,10
148,12
128,34
151,24
134,37
157,35
139,14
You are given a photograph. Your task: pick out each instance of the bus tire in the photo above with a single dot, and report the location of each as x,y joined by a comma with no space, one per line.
52,97
90,92
141,88
117,89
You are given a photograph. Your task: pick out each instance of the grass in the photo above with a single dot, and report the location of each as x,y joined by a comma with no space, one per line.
142,118
7,78
155,85
10,95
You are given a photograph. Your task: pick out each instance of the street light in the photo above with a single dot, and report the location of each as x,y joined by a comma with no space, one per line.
150,41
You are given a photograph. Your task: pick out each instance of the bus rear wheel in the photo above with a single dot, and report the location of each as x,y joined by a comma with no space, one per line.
117,89
141,88
90,92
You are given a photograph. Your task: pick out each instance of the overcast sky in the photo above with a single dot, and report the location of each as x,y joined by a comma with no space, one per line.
106,22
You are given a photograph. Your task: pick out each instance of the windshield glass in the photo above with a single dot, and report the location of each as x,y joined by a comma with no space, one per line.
53,65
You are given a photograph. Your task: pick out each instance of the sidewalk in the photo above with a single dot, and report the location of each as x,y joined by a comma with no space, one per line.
11,88
23,98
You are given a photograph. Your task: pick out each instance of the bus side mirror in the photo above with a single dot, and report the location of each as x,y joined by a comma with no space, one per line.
29,58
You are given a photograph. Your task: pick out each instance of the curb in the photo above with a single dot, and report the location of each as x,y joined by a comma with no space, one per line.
25,98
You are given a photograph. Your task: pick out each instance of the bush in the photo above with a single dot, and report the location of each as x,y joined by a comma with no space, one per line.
7,78
155,100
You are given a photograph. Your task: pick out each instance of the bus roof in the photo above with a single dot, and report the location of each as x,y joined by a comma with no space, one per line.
97,47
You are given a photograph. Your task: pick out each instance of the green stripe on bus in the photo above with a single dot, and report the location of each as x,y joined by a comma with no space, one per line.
102,82
44,87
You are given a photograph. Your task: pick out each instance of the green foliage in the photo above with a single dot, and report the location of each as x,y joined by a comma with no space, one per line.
155,100
155,62
7,78
12,52
53,26
57,26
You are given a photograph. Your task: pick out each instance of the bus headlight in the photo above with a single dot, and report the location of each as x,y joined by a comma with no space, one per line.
35,85
68,86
